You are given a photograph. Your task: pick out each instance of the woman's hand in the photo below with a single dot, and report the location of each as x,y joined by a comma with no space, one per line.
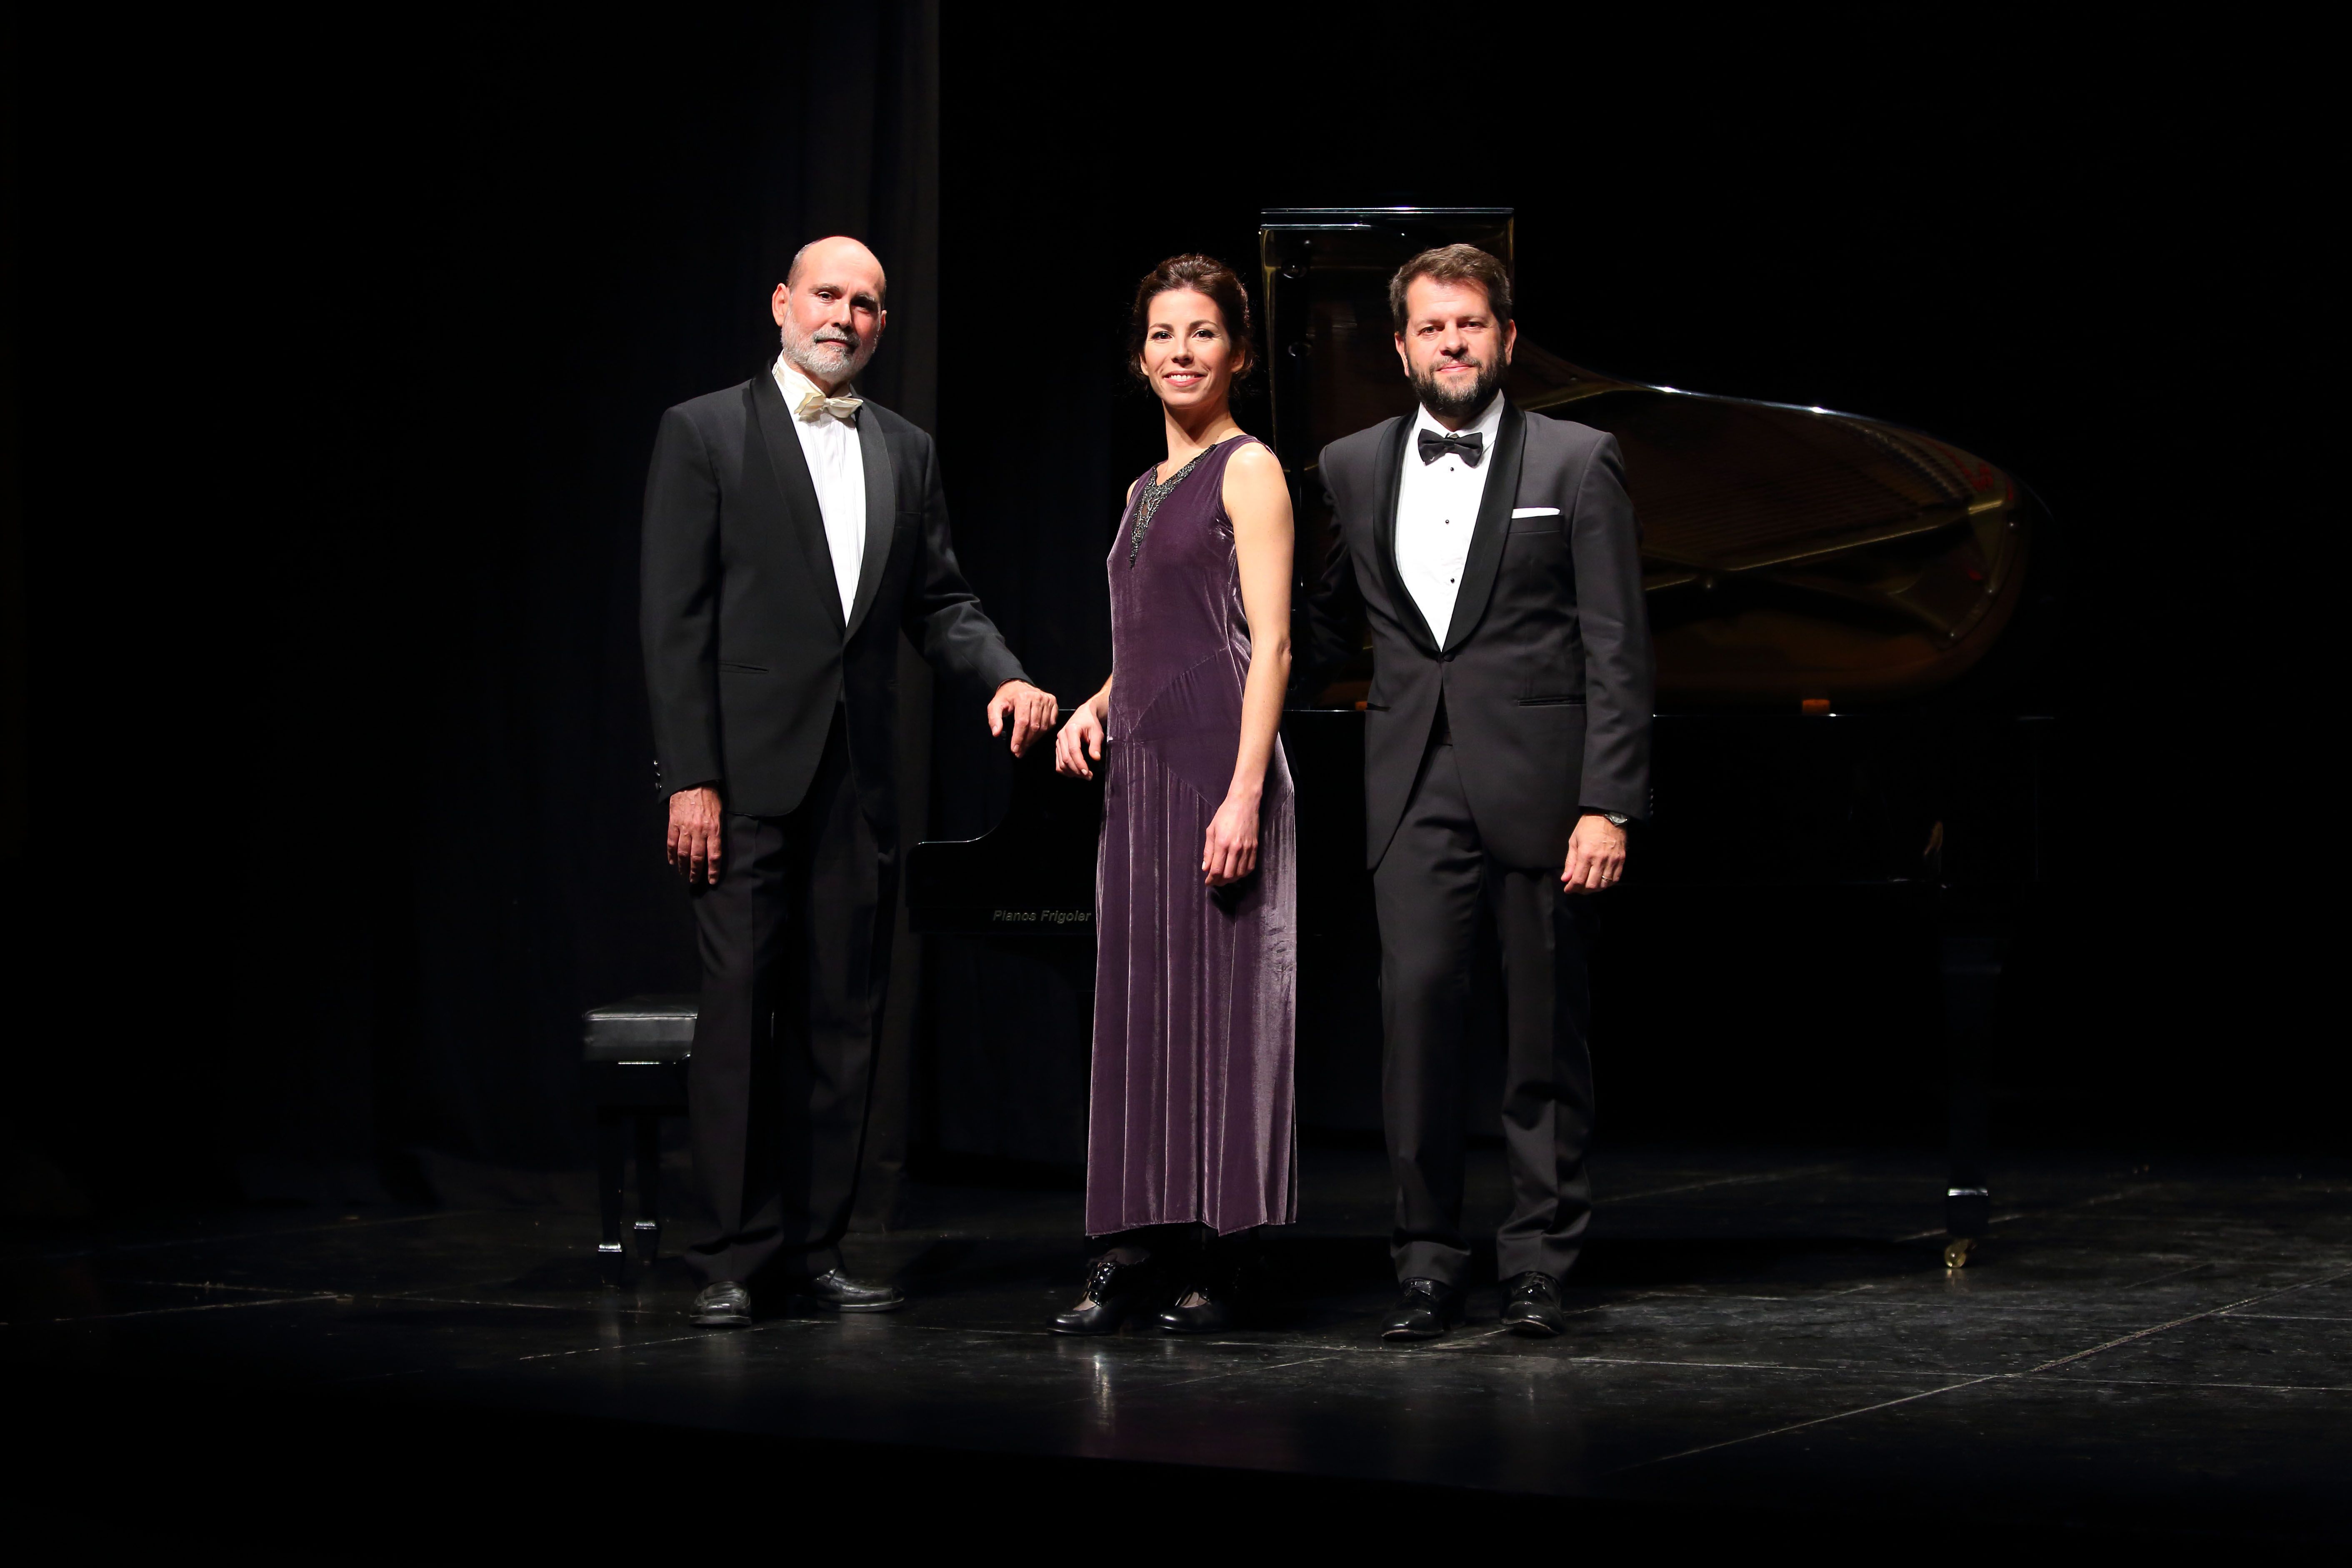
1230,852
1082,736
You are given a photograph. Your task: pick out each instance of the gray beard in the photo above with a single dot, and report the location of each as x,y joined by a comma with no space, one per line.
821,362
1463,405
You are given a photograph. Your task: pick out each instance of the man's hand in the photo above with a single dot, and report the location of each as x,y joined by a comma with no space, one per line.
1032,712
1596,854
695,846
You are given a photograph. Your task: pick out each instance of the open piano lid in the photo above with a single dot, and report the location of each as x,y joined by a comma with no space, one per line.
1790,553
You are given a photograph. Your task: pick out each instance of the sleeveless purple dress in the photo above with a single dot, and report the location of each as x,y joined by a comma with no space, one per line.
1195,996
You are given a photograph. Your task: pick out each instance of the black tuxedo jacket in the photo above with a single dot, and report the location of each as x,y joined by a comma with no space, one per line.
1546,669
746,649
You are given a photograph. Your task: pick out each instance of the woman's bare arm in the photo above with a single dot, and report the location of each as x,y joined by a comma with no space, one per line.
1258,498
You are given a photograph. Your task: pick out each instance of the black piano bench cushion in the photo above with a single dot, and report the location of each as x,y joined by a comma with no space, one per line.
640,1029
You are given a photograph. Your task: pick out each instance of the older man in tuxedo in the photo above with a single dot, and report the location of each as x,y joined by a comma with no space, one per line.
791,529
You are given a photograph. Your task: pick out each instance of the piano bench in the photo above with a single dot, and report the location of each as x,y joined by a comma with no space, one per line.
632,1056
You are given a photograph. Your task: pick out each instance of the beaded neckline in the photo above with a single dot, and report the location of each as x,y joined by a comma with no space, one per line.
1154,491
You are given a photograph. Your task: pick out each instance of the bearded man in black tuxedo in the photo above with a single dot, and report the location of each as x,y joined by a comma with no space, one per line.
792,529
1506,746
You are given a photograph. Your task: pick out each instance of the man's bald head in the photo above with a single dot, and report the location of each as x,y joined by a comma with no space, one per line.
837,254
829,309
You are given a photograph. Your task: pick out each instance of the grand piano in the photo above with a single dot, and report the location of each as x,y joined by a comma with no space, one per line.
1849,625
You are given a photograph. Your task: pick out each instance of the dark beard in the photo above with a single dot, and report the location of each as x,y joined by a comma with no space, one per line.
1462,406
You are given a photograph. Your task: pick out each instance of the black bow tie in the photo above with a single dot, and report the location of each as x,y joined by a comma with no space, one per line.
1469,448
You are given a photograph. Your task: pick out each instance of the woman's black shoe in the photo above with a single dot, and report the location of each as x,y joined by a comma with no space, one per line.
1114,1291
1207,1315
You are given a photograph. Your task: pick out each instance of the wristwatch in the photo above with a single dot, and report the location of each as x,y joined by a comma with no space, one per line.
1616,818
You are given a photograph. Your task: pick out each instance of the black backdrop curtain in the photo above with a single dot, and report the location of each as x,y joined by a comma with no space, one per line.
341,351
346,371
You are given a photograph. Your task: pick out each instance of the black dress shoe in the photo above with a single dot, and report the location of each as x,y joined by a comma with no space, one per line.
837,1291
1428,1308
1113,1293
1220,1284
1531,1306
722,1304
1210,1315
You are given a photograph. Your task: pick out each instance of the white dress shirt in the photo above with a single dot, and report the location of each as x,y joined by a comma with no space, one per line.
1437,506
838,469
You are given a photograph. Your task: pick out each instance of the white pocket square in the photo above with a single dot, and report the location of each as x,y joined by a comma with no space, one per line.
1535,511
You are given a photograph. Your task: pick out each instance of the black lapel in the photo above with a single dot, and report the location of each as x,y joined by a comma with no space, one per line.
1494,505
881,513
804,519
1390,477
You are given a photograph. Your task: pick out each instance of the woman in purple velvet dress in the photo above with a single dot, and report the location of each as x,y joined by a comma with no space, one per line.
1189,1145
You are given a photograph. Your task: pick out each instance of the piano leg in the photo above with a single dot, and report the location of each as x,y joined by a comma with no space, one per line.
1972,981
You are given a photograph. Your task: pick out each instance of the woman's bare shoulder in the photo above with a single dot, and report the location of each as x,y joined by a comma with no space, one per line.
1254,477
1254,459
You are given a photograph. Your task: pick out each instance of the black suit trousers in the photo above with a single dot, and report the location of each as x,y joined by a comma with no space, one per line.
1433,888
794,962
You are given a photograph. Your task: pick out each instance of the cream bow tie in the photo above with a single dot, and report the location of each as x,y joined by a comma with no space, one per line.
814,403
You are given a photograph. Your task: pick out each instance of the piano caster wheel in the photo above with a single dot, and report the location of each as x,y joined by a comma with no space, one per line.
1956,1252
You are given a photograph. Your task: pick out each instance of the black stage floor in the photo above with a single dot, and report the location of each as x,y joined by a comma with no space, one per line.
1761,1335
